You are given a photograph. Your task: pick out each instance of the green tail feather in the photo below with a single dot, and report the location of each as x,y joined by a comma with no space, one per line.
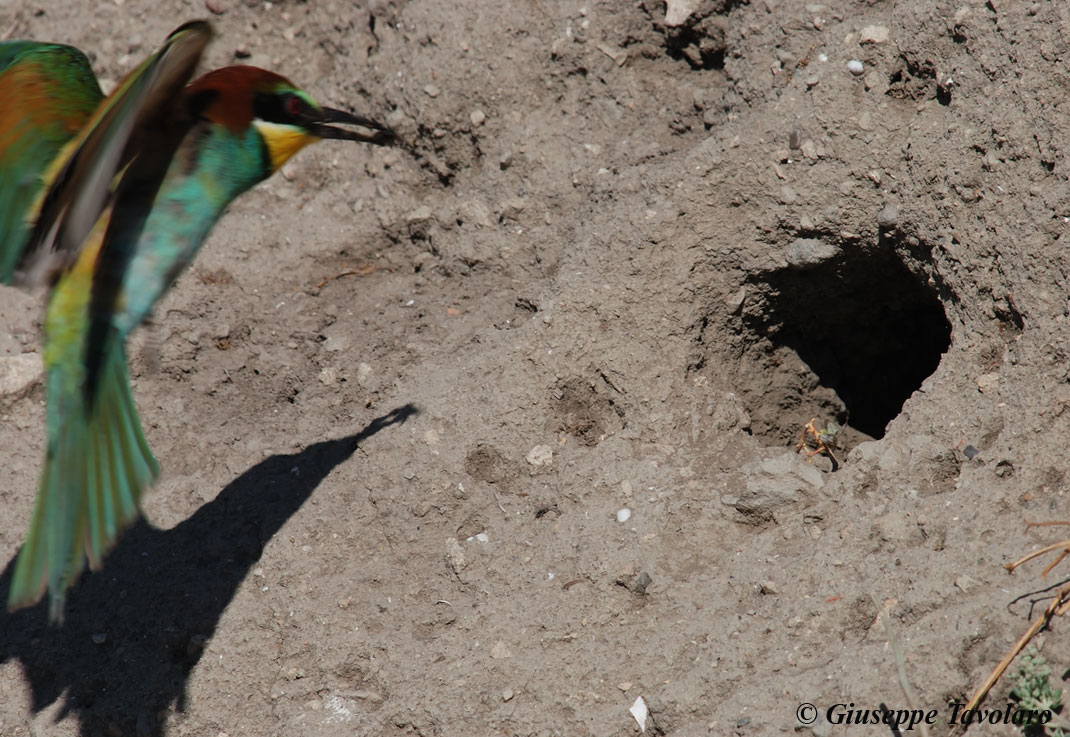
97,468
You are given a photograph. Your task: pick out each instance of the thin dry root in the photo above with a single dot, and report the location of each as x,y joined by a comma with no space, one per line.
1063,546
1058,606
361,271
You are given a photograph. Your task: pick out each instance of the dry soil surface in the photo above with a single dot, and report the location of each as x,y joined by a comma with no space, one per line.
403,396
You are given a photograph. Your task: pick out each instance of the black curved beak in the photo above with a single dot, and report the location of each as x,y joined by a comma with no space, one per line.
380,134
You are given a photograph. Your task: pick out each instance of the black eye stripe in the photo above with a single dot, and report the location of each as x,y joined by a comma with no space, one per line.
282,108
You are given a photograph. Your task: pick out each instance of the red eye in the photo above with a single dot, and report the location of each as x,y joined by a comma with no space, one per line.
294,106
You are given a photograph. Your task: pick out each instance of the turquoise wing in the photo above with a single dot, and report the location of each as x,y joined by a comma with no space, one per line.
50,93
86,179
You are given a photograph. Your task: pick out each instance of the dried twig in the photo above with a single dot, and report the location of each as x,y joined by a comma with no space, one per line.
360,271
1063,546
1058,606
900,664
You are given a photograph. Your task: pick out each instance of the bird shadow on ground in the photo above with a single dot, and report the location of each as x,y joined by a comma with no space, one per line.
134,631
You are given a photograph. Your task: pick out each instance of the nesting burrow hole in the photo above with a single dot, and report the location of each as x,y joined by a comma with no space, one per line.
837,334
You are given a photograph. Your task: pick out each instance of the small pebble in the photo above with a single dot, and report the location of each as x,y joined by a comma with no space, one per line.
19,374
855,67
335,343
873,35
419,222
964,582
806,252
455,555
623,515
477,117
540,455
678,11
734,303
888,217
639,712
329,376
988,383
873,80
364,373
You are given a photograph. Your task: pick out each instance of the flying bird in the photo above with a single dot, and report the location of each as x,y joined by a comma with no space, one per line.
106,200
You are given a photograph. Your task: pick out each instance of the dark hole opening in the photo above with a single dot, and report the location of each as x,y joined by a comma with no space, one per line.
867,327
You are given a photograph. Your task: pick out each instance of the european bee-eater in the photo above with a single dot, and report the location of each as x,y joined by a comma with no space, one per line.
114,209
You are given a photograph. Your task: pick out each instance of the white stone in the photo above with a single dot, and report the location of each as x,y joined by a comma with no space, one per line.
19,374
455,555
873,35
540,455
988,383
364,374
678,11
639,712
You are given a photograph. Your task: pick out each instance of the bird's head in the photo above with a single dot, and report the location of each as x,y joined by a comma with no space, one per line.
286,118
